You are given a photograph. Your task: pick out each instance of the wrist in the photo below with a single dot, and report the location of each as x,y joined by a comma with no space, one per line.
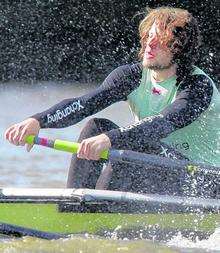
115,137
36,122
106,140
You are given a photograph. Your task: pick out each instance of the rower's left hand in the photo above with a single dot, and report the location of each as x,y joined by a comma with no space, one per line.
91,148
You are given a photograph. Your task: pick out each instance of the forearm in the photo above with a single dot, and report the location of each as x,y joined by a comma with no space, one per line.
63,114
142,133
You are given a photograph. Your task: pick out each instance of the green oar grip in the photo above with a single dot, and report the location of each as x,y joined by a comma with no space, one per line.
30,139
61,145
66,146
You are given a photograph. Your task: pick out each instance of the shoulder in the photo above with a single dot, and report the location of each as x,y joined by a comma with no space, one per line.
197,83
125,76
137,66
133,69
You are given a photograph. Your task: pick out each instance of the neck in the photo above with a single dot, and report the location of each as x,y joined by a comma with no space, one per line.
162,75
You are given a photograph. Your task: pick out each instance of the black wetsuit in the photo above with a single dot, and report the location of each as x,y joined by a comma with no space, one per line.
193,98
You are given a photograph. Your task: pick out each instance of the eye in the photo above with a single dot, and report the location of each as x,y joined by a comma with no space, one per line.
150,35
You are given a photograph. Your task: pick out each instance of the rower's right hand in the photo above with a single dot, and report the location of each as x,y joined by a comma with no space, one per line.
17,133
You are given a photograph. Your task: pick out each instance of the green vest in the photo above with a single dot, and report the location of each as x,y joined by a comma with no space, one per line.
200,140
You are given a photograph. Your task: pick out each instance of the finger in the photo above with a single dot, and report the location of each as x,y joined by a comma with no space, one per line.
21,139
96,156
17,134
80,150
11,136
92,154
7,132
95,152
93,157
29,147
87,150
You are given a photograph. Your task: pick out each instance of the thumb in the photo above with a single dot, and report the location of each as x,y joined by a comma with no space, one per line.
29,147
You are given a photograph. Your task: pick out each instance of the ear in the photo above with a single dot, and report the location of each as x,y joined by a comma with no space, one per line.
176,47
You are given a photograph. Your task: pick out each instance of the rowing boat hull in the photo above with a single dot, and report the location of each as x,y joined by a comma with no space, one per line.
46,217
56,218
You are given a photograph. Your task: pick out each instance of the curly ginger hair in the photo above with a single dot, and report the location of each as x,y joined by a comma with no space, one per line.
178,30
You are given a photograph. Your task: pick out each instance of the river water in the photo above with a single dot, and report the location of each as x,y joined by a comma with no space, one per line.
44,167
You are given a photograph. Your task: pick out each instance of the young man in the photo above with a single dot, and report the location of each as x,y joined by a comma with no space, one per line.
177,108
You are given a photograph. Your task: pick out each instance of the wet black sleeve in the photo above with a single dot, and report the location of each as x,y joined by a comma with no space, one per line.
122,81
194,97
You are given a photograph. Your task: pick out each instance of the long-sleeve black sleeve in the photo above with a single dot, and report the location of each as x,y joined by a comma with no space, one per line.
194,97
116,87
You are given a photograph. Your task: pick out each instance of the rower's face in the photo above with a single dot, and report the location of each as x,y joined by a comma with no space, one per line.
156,56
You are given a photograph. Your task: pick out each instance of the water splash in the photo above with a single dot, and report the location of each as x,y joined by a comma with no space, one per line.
212,243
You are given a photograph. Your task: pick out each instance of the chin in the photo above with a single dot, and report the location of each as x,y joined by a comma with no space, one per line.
155,66
148,63
151,65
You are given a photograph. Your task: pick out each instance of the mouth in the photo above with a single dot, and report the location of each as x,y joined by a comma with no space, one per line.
149,55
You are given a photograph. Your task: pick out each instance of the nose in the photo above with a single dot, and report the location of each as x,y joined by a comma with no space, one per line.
152,42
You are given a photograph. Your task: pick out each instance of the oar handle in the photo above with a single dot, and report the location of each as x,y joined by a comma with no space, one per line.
61,145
